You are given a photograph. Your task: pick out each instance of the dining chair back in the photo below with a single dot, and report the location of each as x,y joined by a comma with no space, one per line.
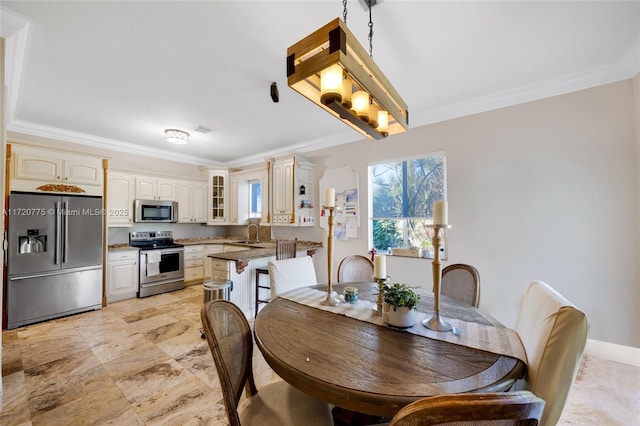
461,282
505,408
355,268
231,344
554,334
289,274
285,249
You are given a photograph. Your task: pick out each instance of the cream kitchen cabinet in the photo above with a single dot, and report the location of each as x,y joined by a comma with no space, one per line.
122,275
220,269
292,205
193,263
208,261
120,196
191,202
217,188
152,188
33,167
234,211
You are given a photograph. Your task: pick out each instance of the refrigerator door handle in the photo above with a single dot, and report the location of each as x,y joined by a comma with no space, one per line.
58,234
5,247
65,241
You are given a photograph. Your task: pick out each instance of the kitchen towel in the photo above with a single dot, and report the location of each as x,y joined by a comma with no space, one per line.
153,263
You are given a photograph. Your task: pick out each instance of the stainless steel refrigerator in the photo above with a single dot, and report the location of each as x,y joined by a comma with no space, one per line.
54,256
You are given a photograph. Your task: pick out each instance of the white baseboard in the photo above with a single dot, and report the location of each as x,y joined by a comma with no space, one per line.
614,352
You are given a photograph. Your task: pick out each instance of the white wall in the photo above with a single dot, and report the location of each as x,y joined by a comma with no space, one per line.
547,190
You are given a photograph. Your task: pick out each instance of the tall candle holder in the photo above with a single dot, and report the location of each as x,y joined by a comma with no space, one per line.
377,310
331,300
435,322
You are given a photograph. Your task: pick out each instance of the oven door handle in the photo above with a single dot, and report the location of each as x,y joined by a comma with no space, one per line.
163,251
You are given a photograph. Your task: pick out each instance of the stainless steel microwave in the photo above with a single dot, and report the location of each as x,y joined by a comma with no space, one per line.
155,211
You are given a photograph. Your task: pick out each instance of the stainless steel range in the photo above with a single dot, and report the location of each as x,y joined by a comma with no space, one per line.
161,262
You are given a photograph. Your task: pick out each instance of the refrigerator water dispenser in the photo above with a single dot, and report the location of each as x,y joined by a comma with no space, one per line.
32,242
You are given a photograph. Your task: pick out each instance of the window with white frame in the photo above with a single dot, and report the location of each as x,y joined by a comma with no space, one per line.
255,198
402,194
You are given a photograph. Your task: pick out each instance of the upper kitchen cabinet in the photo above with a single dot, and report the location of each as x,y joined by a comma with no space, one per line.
191,202
217,189
120,195
292,192
248,195
151,188
39,169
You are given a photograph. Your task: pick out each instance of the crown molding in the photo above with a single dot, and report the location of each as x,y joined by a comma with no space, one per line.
14,28
33,129
624,69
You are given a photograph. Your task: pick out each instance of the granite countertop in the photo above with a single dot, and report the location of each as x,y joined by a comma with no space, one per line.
121,247
260,249
205,240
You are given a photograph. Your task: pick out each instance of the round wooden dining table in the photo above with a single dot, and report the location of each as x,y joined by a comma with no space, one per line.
370,368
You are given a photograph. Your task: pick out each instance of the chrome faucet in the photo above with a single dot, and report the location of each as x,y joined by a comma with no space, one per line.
249,232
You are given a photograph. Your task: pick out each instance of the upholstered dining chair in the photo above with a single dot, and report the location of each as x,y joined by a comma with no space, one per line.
461,282
355,268
506,408
285,249
554,333
288,274
231,343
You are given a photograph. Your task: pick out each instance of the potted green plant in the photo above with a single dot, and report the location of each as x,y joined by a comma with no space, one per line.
427,249
399,303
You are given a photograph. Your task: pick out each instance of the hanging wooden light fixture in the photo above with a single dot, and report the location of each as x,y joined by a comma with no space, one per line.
332,69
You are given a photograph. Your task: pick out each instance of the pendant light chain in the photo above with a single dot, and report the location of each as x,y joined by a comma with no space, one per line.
344,12
370,31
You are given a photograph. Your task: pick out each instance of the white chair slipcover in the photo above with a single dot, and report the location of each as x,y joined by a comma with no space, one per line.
289,274
554,333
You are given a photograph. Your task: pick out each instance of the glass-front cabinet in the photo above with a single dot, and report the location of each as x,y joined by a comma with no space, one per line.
218,211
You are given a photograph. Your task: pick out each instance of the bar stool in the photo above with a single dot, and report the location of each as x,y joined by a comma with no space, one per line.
285,249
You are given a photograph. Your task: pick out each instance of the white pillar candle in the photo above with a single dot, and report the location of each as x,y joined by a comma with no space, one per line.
330,197
380,266
440,213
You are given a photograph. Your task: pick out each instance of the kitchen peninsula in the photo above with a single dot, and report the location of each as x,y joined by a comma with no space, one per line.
237,262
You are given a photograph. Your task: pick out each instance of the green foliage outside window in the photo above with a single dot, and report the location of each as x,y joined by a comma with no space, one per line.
403,193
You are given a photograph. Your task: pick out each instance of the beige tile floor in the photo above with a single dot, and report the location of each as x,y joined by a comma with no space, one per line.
142,362
135,362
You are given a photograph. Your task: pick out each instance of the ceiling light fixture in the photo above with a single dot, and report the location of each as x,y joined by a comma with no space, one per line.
177,136
330,68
